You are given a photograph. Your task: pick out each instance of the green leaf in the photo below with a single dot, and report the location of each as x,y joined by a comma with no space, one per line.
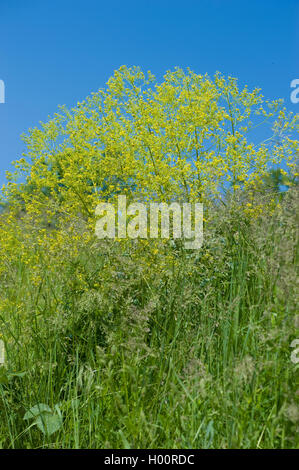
48,423
17,374
37,410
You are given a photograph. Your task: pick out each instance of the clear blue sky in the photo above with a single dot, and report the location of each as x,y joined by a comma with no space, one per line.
58,51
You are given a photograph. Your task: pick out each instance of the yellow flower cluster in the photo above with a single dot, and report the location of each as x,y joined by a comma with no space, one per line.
189,138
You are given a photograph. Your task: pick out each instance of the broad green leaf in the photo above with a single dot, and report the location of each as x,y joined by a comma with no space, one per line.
37,410
48,423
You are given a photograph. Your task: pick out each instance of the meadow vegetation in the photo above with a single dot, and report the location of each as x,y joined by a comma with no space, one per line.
142,343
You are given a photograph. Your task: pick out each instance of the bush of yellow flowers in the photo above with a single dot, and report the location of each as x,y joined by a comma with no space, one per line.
117,336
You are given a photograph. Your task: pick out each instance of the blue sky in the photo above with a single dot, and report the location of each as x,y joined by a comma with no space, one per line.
58,51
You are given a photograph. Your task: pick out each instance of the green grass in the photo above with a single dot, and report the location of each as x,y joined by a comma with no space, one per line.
192,355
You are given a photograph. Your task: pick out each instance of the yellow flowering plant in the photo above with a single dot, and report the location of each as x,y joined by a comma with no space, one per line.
190,138
184,139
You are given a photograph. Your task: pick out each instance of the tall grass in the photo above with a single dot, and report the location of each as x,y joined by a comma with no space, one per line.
194,353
